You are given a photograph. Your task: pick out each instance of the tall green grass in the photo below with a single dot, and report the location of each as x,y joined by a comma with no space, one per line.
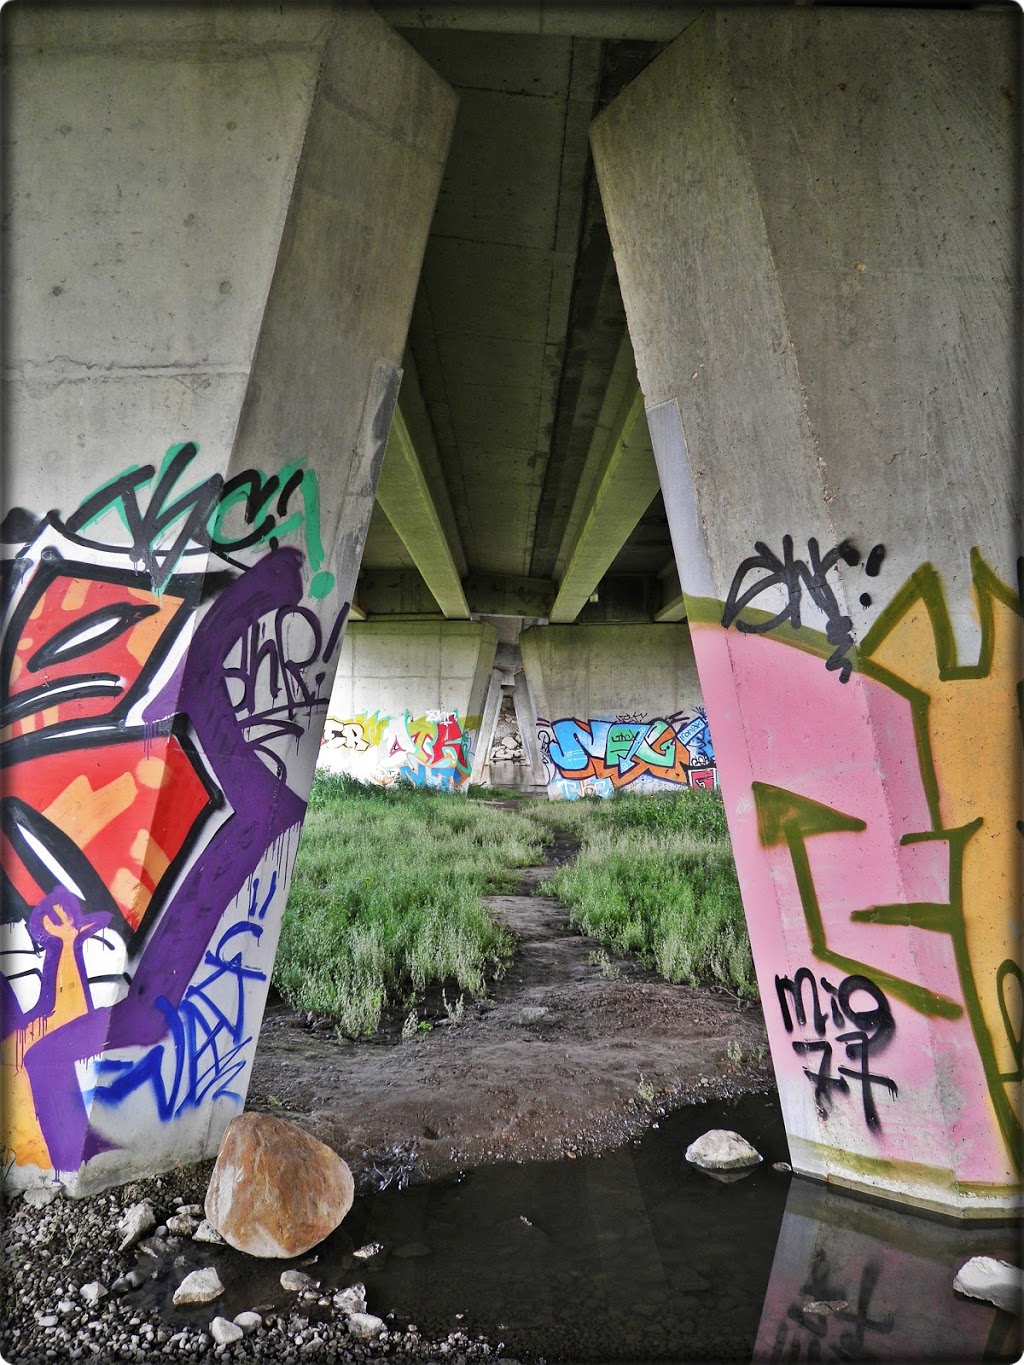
385,901
655,876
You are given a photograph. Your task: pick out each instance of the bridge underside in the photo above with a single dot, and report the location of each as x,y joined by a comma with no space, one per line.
594,399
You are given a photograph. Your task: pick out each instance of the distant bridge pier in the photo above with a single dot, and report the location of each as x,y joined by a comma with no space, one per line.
815,219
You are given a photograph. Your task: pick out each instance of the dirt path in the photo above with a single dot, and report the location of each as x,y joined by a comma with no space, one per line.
571,1053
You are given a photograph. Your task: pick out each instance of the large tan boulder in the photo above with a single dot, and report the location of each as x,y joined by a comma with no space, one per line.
275,1190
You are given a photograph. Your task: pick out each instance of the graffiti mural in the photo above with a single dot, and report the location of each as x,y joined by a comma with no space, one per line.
430,750
164,680
882,819
600,756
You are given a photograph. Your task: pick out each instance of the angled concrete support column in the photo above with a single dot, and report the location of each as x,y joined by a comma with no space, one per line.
217,217
815,217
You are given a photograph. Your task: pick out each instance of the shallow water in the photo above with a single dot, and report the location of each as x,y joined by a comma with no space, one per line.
638,1256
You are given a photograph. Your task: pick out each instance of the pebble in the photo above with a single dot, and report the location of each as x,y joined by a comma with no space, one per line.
351,1300
225,1332
295,1280
199,1286
137,1221
93,1292
206,1232
365,1326
83,1238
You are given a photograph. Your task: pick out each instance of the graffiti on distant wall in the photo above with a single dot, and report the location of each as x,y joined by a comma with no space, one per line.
157,699
597,757
886,813
429,750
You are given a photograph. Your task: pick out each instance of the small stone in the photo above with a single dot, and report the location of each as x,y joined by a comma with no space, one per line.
365,1326
48,1320
275,1190
136,1278
821,1308
201,1286
369,1252
248,1321
295,1280
533,1014
351,1300
782,1166
194,1210
66,1306
722,1150
206,1232
998,1282
136,1222
93,1292
41,1195
182,1224
225,1332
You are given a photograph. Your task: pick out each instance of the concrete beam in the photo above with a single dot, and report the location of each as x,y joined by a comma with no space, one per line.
673,600
624,480
508,595
406,500
654,21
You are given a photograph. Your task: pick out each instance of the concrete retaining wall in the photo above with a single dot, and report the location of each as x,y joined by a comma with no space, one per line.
407,702
619,708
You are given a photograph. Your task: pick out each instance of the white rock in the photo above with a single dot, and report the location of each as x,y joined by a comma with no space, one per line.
135,1223
722,1150
93,1292
295,1280
352,1299
365,1326
983,1277
368,1252
206,1232
65,1306
248,1321
225,1332
182,1224
47,1320
40,1195
200,1286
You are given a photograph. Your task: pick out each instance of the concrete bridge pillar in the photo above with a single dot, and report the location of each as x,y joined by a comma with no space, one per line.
216,221
815,219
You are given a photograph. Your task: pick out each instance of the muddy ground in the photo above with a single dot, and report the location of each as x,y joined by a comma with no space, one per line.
572,1052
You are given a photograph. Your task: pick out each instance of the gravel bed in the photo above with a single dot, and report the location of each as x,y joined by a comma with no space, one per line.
55,1256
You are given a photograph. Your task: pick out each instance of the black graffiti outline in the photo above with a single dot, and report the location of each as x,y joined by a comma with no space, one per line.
195,509
286,675
874,1030
797,576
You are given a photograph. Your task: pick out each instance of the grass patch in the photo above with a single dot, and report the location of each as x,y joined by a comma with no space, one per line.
385,900
655,876
385,903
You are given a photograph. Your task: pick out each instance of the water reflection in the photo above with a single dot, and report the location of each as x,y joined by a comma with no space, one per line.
858,1281
638,1256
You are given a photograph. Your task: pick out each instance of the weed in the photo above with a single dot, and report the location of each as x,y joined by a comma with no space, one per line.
386,898
611,971
455,1009
644,1090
